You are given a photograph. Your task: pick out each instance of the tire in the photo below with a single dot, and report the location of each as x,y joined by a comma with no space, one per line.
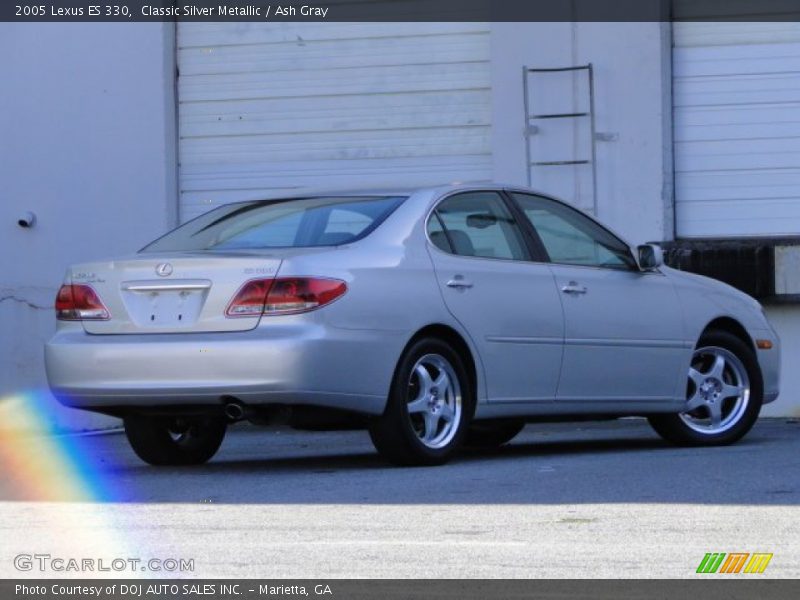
174,440
492,434
429,407
726,390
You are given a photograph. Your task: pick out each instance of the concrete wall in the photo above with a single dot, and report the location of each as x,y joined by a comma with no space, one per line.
87,142
633,106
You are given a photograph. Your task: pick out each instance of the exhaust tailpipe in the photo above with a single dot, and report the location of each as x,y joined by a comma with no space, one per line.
235,411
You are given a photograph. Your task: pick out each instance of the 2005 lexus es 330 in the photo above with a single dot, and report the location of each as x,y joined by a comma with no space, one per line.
445,316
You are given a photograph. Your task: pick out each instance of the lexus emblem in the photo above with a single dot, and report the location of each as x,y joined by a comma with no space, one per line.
164,269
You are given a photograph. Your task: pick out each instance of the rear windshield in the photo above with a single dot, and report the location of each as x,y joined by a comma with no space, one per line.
296,223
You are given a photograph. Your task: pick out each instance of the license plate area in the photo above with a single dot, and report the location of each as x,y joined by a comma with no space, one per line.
159,305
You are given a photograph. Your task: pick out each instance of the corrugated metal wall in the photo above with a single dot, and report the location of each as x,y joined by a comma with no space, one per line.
271,107
737,128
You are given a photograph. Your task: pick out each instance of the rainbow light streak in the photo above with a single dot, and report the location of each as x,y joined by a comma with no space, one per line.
55,498
38,464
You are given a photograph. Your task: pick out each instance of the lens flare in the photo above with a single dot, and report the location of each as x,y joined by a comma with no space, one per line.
57,498
39,464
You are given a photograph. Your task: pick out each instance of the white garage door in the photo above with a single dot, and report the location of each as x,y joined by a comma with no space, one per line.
266,108
737,128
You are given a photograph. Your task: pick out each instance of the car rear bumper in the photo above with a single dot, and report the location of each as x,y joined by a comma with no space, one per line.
289,363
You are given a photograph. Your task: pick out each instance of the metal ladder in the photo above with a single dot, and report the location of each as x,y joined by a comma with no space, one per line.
532,129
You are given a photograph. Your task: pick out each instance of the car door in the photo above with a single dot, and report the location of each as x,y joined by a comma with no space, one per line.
507,303
623,328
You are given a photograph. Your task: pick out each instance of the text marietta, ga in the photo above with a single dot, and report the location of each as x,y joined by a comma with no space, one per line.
190,10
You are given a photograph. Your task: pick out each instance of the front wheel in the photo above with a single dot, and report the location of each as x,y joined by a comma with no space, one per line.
429,407
723,394
174,440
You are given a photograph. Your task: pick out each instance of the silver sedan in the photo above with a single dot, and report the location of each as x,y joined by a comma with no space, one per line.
447,316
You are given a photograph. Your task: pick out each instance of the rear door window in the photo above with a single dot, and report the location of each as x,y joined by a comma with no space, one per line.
477,224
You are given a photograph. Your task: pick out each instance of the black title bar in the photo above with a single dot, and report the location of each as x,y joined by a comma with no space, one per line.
711,588
398,10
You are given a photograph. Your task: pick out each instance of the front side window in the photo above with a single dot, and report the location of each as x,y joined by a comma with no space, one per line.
295,223
476,224
572,238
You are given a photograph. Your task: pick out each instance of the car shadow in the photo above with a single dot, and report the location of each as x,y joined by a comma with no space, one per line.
625,469
372,460
617,462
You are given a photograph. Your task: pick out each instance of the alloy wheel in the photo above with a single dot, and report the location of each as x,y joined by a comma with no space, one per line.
434,401
718,391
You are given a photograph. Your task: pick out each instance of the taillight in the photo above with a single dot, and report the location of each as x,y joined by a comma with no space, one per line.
80,303
249,300
300,294
285,295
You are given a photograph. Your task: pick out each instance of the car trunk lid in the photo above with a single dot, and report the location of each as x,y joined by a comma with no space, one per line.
173,292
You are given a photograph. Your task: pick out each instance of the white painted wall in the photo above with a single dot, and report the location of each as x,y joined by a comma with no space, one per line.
87,142
737,138
266,108
632,101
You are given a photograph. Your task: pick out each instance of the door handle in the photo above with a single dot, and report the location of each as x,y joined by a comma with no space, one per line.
459,283
573,288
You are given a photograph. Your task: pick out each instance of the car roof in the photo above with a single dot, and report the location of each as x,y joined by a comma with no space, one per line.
317,192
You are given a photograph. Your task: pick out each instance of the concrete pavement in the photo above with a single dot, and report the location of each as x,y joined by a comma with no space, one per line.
569,500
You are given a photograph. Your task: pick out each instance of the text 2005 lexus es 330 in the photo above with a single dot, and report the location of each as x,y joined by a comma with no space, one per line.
445,316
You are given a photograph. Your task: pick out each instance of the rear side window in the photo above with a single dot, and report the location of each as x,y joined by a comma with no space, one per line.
296,223
476,224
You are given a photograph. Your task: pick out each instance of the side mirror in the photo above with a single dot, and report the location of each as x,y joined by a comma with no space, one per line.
651,256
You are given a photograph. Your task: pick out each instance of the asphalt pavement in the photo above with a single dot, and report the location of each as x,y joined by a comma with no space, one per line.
606,499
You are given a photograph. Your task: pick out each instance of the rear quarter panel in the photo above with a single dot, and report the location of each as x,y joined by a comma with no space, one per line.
392,294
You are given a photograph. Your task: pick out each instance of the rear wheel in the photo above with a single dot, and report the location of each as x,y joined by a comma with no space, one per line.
429,407
723,394
174,440
491,434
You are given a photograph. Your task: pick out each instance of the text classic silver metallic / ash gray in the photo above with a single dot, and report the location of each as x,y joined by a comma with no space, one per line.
442,317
